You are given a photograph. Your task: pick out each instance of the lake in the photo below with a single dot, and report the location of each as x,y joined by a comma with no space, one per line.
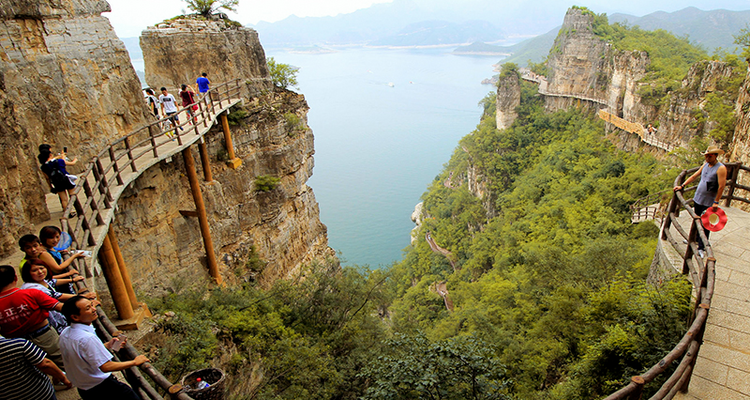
385,122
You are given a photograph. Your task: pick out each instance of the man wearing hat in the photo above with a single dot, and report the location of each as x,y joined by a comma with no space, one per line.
713,175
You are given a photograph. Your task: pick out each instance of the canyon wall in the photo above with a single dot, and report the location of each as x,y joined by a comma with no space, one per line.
741,143
66,80
178,51
164,249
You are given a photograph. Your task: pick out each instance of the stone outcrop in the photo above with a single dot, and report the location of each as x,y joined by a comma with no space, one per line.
508,98
177,52
163,248
66,80
587,71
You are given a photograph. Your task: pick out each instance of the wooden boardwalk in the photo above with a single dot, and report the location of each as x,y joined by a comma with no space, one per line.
722,370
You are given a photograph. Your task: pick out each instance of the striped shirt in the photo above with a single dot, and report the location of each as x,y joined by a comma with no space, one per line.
19,377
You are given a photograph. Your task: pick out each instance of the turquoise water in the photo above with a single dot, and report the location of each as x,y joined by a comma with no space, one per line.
378,146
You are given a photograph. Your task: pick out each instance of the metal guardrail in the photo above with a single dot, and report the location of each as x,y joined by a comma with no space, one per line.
93,198
702,275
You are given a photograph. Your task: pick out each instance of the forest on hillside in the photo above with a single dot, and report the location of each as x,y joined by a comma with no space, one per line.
547,283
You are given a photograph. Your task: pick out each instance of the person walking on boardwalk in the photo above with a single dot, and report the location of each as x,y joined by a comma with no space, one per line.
169,108
713,178
203,84
89,363
188,100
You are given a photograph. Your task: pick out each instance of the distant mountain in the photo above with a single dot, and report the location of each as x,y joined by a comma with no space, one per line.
710,29
394,23
430,33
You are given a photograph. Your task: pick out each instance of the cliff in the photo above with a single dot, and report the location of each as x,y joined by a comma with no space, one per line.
281,226
65,79
176,52
508,98
585,69
741,143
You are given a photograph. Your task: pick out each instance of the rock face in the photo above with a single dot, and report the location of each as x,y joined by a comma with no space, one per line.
164,249
65,79
741,144
178,52
257,235
508,98
587,71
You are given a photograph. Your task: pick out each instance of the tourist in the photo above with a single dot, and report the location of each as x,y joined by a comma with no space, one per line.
203,84
56,173
32,246
24,369
650,129
188,99
89,362
24,312
169,109
152,102
713,178
35,275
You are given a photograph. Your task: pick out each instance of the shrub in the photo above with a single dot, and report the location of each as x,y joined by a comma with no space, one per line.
266,183
282,75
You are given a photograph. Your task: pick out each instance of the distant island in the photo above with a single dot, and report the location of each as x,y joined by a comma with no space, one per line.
482,49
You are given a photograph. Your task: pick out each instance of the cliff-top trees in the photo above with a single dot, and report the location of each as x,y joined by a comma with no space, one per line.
208,7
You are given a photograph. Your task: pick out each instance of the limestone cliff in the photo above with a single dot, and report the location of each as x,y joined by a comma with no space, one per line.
178,51
508,98
65,79
585,70
164,249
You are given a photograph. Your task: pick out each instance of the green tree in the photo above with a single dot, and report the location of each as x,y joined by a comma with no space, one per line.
282,75
743,39
208,7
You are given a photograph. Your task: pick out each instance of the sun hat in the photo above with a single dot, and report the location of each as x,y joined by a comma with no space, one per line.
714,221
713,150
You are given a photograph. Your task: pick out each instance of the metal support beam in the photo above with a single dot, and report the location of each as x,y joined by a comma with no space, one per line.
233,162
114,280
213,268
203,150
123,267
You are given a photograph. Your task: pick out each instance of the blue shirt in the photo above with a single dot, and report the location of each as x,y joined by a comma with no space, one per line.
202,84
83,353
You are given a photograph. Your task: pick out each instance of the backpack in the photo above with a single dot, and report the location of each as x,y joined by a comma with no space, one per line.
59,180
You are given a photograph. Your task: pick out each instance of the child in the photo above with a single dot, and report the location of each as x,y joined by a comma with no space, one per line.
32,246
36,276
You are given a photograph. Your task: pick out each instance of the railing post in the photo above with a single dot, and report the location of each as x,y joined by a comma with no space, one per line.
153,139
130,154
103,185
87,191
638,392
732,184
693,233
114,166
672,208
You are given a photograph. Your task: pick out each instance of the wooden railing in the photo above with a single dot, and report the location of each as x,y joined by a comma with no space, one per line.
651,207
702,274
105,178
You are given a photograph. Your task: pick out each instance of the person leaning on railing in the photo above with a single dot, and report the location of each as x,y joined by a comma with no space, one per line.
713,178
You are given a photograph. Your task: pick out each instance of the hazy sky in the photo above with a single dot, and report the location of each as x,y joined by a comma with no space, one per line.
130,17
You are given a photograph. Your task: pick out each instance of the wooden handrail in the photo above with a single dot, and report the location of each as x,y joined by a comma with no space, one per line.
93,198
703,277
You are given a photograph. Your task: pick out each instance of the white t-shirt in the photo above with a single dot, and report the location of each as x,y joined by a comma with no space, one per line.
169,103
